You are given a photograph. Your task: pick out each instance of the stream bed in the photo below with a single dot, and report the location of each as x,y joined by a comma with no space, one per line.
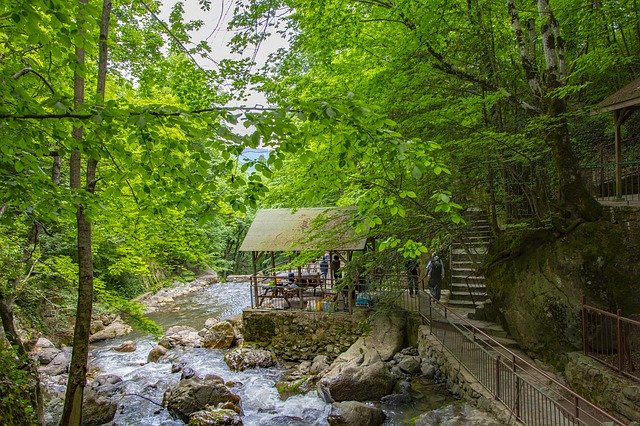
145,383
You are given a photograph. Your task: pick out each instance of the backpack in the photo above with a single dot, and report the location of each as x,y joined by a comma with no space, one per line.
436,269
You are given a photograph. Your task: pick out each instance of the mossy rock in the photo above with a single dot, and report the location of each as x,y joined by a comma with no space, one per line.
288,388
537,278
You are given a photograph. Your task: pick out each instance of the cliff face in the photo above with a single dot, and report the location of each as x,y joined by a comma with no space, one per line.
536,279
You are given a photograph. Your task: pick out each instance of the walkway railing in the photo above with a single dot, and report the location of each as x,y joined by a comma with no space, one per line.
611,339
600,179
508,377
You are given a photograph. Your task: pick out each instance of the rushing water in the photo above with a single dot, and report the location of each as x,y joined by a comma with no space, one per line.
145,382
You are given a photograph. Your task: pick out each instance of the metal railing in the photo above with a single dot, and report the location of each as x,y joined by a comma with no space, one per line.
611,339
600,180
533,396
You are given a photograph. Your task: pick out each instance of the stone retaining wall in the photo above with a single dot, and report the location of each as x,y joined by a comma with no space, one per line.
301,335
603,387
459,381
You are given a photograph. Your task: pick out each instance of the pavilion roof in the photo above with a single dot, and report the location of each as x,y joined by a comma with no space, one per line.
318,228
628,96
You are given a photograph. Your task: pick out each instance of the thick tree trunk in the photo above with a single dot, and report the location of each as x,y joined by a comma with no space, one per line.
576,202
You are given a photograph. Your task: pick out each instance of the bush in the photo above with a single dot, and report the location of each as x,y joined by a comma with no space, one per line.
15,406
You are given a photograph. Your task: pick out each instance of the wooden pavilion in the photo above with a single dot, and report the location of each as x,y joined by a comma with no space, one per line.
308,233
623,103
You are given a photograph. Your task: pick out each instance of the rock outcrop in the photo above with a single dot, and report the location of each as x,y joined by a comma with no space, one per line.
361,373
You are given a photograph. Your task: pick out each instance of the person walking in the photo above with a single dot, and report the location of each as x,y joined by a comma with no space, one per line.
412,275
435,272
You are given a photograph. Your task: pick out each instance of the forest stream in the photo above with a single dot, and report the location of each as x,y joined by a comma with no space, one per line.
144,383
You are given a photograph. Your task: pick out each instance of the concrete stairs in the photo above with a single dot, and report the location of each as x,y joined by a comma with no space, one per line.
467,288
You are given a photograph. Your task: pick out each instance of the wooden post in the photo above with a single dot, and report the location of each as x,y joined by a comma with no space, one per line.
254,261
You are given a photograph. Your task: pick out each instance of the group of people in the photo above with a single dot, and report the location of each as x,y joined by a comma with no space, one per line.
328,261
435,274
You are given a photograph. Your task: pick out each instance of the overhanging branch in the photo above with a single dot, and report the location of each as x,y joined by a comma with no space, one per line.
155,113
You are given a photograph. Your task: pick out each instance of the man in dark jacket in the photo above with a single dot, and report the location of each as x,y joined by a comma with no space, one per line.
435,272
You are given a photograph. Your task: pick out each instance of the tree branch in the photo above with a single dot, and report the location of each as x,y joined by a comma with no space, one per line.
85,116
28,70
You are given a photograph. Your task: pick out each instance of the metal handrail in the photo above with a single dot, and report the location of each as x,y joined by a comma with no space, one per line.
603,349
518,362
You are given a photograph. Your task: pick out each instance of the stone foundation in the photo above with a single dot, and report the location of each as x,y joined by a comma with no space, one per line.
459,381
302,335
603,387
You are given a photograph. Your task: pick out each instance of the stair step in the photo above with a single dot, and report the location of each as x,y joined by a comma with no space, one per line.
465,287
454,303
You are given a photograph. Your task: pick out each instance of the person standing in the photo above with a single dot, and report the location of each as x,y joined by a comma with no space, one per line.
335,266
324,267
412,275
435,272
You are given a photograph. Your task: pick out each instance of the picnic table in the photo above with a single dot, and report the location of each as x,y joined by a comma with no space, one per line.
270,292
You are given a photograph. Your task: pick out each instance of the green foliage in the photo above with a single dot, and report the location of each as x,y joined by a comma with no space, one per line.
15,408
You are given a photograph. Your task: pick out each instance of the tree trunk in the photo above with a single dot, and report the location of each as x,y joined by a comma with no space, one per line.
33,384
72,411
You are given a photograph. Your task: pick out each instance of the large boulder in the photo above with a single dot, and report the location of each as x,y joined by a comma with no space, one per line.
361,372
44,351
100,402
181,335
219,336
195,394
552,271
242,358
58,365
116,328
353,413
352,382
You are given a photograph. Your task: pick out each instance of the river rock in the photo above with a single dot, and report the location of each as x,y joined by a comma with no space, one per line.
195,394
220,336
456,414
44,351
353,413
319,365
352,382
215,416
96,325
116,328
127,346
58,365
242,358
181,335
410,364
99,403
156,353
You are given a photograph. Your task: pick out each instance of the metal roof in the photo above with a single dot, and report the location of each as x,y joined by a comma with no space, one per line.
628,96
319,228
